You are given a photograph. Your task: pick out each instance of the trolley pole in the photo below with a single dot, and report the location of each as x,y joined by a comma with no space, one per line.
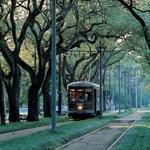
53,57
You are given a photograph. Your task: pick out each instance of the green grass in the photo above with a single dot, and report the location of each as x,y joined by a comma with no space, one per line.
48,140
42,122
121,114
25,125
138,137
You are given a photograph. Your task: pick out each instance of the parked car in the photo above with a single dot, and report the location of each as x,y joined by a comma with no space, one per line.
64,109
23,111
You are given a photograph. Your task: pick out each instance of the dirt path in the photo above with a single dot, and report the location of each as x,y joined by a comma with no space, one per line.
102,139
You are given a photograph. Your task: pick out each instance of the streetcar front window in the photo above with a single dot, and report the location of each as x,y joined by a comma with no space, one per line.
80,95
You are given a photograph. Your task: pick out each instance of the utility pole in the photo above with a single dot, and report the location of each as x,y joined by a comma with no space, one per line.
129,89
114,90
53,57
119,86
135,88
99,49
141,94
59,85
110,99
100,81
136,94
132,88
125,90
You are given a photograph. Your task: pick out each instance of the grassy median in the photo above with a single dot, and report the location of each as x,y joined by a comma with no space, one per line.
48,140
138,137
25,125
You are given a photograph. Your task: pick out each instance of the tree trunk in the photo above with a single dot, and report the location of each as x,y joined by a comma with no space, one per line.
33,95
14,103
46,95
12,84
46,102
2,105
33,103
64,77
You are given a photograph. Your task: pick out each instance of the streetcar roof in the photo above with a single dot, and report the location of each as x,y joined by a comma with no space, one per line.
83,84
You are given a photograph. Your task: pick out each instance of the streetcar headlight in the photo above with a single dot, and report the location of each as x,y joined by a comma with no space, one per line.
80,107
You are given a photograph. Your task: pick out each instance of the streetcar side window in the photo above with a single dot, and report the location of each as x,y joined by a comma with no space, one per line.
88,95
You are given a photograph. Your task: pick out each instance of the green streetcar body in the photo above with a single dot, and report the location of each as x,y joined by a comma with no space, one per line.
83,99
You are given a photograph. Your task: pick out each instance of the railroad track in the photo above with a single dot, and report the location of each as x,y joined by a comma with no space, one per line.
104,136
81,137
118,139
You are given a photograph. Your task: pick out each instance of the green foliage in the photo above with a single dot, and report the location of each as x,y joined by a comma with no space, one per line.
114,23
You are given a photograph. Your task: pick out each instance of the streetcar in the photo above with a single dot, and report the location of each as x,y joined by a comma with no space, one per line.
83,99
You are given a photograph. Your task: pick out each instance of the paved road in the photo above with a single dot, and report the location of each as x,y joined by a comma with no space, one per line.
102,139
